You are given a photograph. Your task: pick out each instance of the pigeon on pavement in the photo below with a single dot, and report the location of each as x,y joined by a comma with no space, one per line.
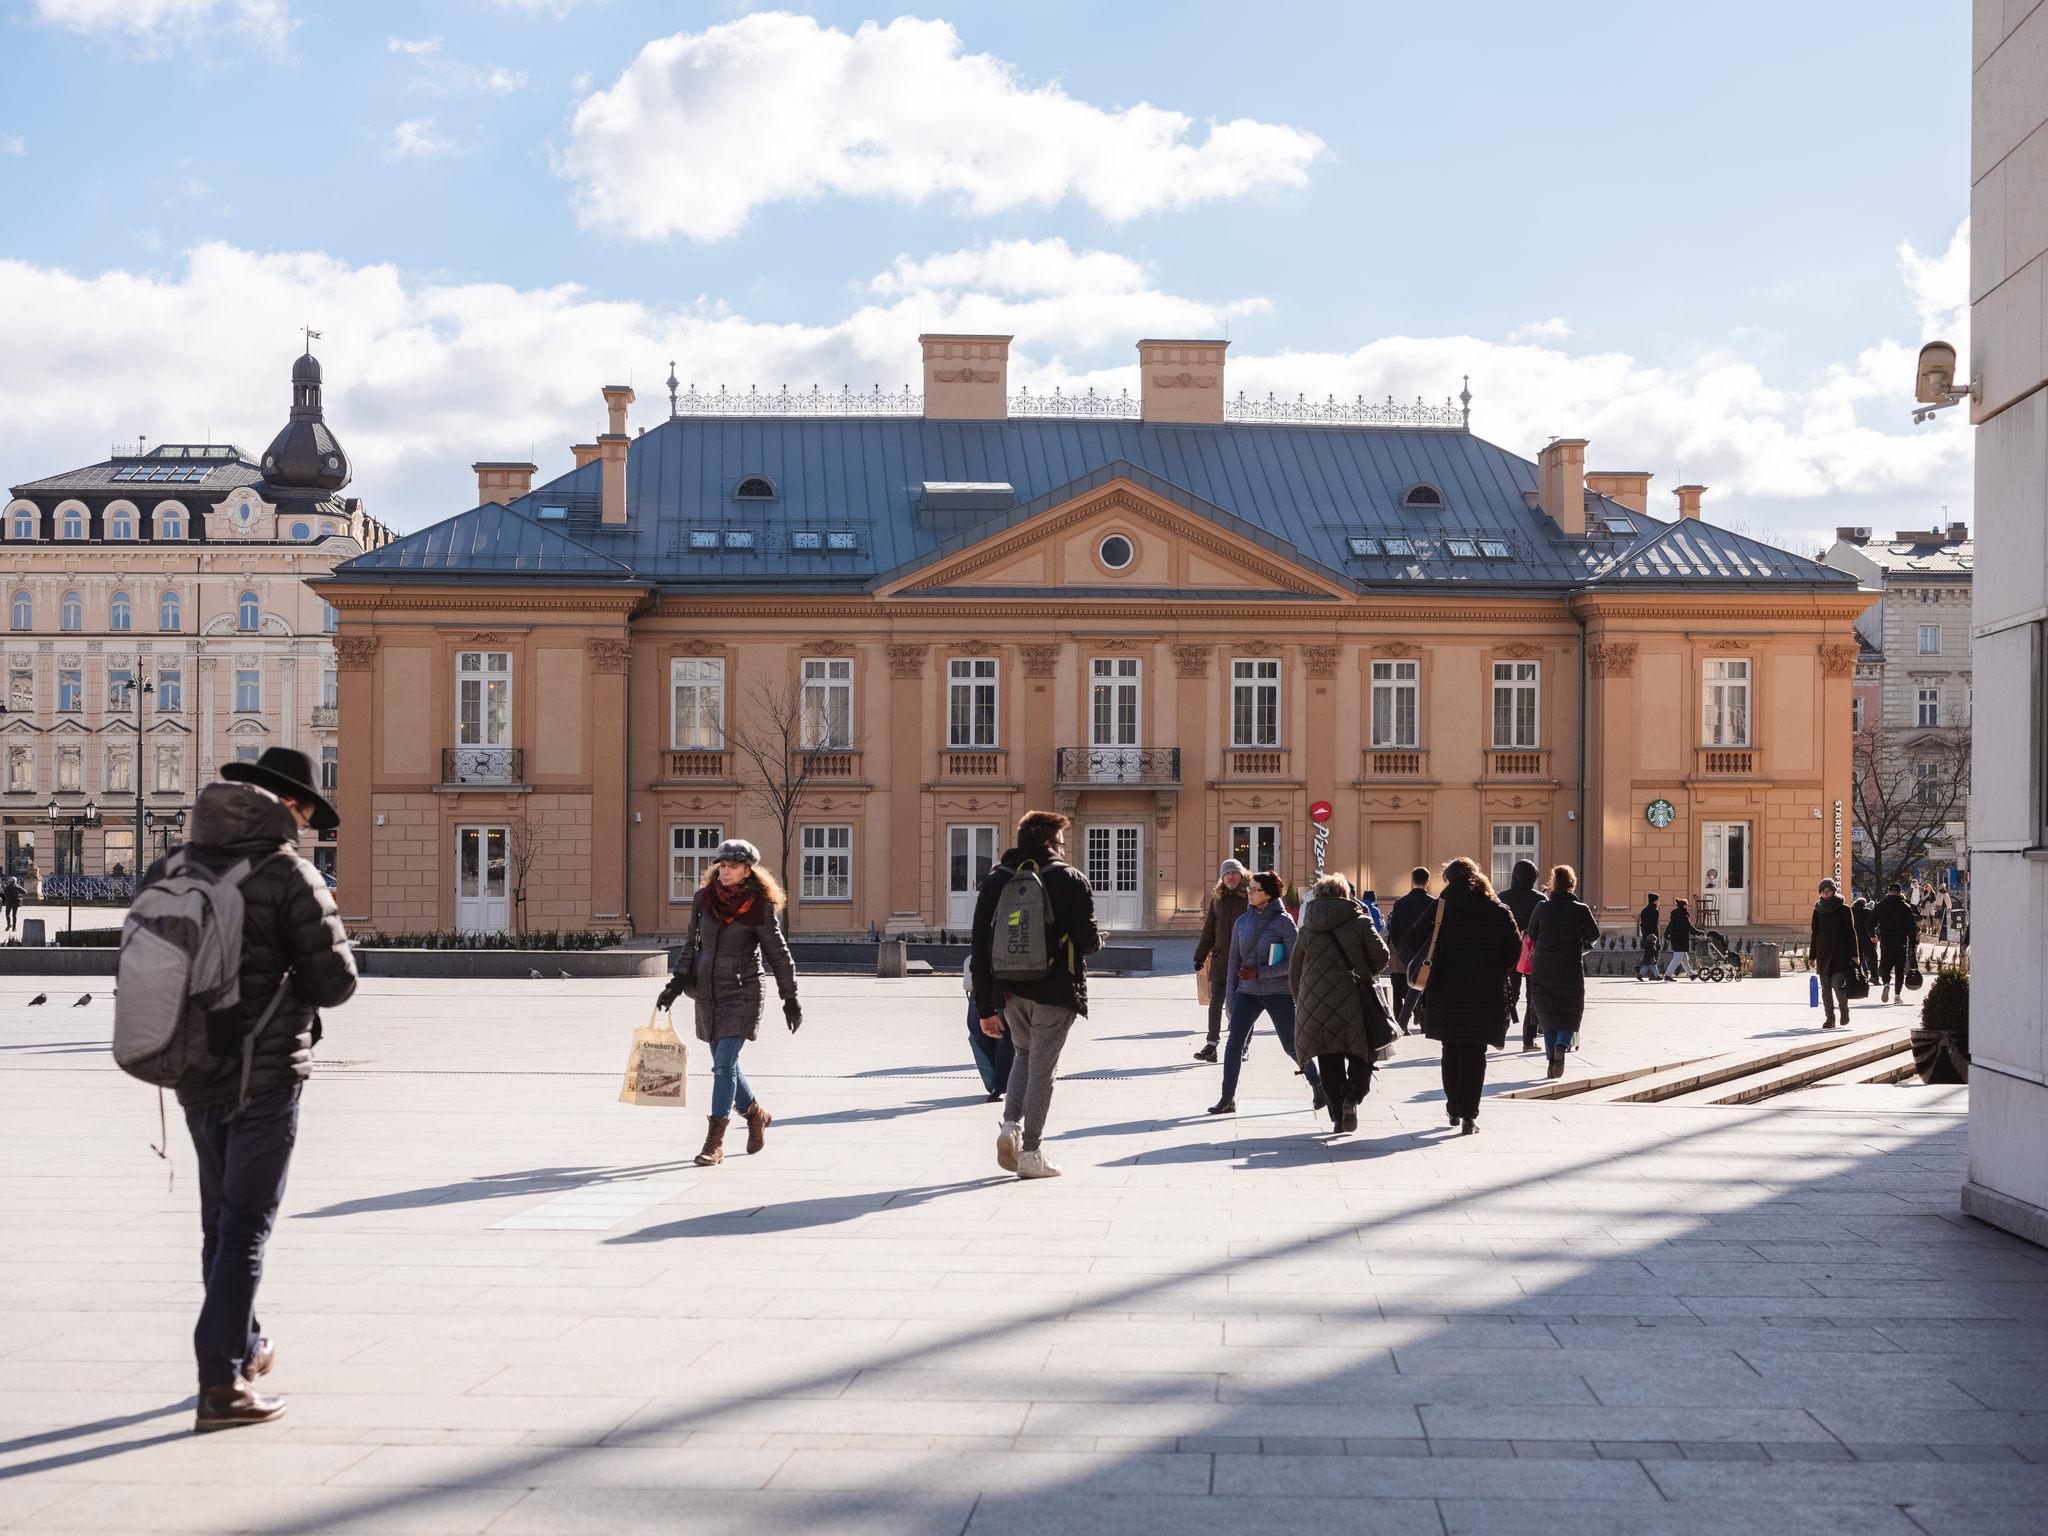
83,1001
39,999
535,976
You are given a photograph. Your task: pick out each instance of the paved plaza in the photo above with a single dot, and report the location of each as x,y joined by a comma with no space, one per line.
506,1303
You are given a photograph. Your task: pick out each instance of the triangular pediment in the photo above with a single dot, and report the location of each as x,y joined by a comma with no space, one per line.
68,726
1173,545
174,726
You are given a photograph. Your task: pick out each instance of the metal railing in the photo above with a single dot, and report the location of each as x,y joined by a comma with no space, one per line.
1358,411
483,765
325,717
1117,765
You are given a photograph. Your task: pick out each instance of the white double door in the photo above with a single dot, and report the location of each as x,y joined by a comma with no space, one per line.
970,855
1114,865
483,900
1724,870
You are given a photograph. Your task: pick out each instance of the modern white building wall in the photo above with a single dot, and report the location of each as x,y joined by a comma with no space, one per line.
2008,1177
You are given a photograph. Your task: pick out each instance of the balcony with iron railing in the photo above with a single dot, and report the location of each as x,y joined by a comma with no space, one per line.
1724,762
1111,767
326,717
482,767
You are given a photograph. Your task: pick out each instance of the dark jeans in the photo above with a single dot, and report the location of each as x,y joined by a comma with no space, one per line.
243,1160
1217,991
728,1082
1347,1079
1891,966
1464,1077
1245,1009
1835,989
992,1058
1557,1041
1404,998
1514,990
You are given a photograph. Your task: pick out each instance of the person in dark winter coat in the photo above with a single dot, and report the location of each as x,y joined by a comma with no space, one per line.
1038,1013
1258,984
1897,933
1403,937
295,956
1521,898
1336,954
734,923
1561,930
1465,1006
1648,922
1226,904
1679,933
1831,943
11,893
1864,916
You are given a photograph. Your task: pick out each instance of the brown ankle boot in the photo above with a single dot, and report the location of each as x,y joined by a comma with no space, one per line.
758,1121
714,1142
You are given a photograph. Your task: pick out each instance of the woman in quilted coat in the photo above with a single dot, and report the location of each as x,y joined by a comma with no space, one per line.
1330,974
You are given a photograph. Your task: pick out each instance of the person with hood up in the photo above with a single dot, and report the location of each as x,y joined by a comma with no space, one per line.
1465,1006
1561,930
734,922
1896,933
1329,974
1679,933
1831,943
1864,916
1260,946
1226,904
1648,922
1403,936
1521,898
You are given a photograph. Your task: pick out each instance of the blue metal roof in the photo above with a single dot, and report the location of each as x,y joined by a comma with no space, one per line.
851,508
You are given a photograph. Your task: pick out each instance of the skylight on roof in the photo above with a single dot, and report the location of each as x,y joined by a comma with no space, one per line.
1618,525
1365,546
1402,547
554,514
1462,549
703,538
1495,549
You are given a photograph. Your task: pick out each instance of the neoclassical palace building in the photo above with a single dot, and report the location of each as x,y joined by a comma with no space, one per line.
1193,621
158,624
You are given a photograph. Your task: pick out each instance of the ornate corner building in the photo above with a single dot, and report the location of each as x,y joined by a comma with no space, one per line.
158,624
1184,618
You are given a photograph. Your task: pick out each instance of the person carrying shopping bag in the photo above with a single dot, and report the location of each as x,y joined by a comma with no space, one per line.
1226,904
734,922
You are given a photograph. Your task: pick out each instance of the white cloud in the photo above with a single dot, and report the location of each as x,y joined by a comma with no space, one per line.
163,24
447,77
418,139
1553,329
702,128
13,144
424,377
414,47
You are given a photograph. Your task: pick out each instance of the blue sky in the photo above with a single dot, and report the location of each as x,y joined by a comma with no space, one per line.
1706,237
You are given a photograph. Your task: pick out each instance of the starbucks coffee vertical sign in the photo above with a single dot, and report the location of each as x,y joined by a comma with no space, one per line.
1660,814
1838,845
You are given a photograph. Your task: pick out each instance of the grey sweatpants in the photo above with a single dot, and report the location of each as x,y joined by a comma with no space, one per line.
1039,1032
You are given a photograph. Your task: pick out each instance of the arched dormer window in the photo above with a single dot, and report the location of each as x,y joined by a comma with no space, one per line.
24,524
169,613
1423,495
74,524
73,611
122,526
120,615
248,613
170,523
754,488
24,616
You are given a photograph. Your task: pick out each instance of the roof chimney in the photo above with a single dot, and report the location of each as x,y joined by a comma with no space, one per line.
1629,487
611,448
1561,484
1958,533
502,480
1689,499
1181,381
966,378
583,453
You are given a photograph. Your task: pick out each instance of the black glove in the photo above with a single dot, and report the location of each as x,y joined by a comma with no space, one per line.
670,992
792,1015
1200,967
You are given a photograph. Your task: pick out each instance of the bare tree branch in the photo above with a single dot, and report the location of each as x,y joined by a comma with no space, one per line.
1910,784
523,844
779,753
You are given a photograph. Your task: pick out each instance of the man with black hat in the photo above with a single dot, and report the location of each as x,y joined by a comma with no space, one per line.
292,942
1831,946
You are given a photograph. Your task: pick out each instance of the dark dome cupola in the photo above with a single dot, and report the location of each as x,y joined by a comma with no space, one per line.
305,455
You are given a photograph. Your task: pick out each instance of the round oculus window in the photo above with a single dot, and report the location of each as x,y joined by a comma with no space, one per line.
333,461
1115,552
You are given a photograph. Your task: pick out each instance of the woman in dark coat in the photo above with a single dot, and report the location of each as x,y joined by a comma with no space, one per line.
1562,929
1466,1005
734,922
1330,974
1226,904
1521,898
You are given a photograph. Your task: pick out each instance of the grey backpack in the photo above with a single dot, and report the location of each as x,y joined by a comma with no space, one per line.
1021,948
180,960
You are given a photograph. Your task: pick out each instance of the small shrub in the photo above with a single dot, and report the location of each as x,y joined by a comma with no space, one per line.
89,938
1947,1006
457,939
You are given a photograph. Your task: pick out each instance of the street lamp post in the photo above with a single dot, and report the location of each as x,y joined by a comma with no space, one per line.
138,687
77,824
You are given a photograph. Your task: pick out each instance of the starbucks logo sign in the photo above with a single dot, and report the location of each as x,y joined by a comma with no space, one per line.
1660,814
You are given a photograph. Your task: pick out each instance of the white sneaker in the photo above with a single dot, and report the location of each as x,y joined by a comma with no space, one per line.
1007,1140
1034,1165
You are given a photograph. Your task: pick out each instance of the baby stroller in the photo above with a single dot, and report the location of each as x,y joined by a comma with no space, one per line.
1713,959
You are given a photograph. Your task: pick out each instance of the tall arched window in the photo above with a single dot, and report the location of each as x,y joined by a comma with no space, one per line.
119,614
123,526
170,523
24,611
168,615
73,611
249,614
74,525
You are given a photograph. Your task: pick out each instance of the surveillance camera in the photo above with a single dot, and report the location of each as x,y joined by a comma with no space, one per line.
1935,382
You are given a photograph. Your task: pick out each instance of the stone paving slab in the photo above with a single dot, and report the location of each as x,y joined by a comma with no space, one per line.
506,1303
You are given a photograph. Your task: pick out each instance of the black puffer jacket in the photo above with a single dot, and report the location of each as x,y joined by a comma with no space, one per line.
1831,943
1467,997
1403,937
1336,947
728,957
1896,924
1073,922
289,923
1521,896
1562,928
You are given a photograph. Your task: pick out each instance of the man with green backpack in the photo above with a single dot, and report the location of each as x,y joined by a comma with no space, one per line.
1034,928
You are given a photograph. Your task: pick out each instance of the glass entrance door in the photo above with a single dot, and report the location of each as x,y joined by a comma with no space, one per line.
970,854
1113,869
482,901
1724,872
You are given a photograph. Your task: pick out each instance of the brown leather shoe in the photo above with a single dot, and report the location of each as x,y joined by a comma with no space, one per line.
758,1121
714,1142
259,1363
233,1406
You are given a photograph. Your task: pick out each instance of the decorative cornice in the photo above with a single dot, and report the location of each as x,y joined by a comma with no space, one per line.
1518,650
1183,381
1040,660
608,653
1838,660
1393,648
966,375
1192,660
696,648
355,653
906,661
974,648
1321,659
825,646
1254,648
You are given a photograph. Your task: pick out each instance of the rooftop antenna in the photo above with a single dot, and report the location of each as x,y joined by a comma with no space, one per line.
672,389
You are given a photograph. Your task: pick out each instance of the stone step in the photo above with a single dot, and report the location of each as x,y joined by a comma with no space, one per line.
1845,1057
1693,1077
1573,1086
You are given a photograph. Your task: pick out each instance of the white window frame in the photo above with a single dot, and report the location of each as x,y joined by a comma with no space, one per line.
1509,850
120,755
121,526
826,871
1724,690
170,605
22,611
248,613
24,525
973,703
695,724
1517,679
71,612
119,680
1395,682
1927,708
483,679
1926,783
70,680
248,690
827,718
1930,633
169,523
330,767
1113,682
690,847
120,612
1255,833
170,690
23,702
330,688
71,524
1250,676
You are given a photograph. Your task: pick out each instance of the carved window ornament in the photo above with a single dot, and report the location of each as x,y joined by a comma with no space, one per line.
1192,660
1838,660
1394,648
697,648
1321,659
825,648
1518,651
974,648
906,661
1256,648
1040,660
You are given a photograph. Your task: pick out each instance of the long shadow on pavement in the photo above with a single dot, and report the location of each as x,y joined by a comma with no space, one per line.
797,1215
493,1186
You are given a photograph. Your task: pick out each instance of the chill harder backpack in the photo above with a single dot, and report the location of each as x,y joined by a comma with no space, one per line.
181,959
1021,947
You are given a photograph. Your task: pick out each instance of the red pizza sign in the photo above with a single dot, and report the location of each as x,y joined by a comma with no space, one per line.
1320,811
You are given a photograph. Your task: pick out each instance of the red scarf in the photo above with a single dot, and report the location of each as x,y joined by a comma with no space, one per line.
728,903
